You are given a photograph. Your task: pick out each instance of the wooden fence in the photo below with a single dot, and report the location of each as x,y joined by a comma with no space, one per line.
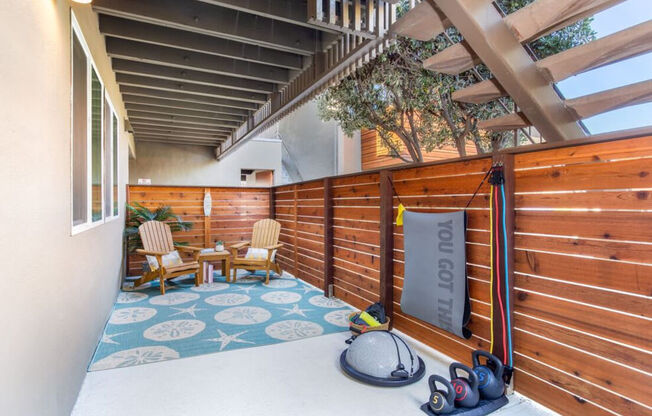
234,212
582,253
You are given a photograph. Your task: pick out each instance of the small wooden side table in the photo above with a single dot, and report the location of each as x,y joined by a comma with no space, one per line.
223,256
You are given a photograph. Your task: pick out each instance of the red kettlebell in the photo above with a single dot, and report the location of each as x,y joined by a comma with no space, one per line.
466,388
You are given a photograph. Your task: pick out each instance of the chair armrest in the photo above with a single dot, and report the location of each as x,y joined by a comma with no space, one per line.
188,248
240,245
151,253
274,247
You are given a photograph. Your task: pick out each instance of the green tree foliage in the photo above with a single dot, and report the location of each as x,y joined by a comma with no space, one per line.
412,109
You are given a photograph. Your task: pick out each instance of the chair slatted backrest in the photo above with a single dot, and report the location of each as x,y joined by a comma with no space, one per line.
265,233
156,236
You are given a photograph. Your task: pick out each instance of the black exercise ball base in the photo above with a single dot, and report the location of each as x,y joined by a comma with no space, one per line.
382,382
484,407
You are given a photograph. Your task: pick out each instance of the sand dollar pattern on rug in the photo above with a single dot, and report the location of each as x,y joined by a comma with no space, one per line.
281,283
210,287
131,315
130,297
338,318
292,329
324,302
227,299
280,297
174,330
174,298
243,315
135,356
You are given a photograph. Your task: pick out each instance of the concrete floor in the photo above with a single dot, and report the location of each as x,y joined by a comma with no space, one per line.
292,378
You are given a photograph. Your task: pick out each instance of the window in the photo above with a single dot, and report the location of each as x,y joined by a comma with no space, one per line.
94,142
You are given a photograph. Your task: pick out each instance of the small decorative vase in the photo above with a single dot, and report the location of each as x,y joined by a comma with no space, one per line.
219,247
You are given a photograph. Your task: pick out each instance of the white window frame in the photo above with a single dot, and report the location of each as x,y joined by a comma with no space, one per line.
90,224
114,181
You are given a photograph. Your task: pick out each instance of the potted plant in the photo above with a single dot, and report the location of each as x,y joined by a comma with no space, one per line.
219,245
139,214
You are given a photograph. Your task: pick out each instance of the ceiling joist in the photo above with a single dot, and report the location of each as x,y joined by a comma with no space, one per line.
206,116
200,123
122,66
149,92
189,88
221,22
174,105
179,58
150,139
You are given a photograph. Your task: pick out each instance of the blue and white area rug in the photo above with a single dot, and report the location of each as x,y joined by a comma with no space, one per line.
146,327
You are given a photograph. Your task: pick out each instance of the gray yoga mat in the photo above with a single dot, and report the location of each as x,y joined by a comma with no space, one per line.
435,288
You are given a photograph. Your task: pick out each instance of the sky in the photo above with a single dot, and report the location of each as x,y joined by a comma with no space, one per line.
622,16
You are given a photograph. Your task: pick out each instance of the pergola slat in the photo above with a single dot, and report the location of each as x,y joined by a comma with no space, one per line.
511,121
189,88
217,21
610,49
173,104
143,52
149,92
613,99
625,44
123,66
528,23
423,22
486,32
165,36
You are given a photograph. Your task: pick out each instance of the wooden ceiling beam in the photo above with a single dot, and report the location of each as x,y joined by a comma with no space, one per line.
528,23
173,104
190,88
149,92
511,121
164,36
217,21
494,42
178,134
423,22
205,123
124,66
609,100
181,112
138,121
179,58
164,140
621,45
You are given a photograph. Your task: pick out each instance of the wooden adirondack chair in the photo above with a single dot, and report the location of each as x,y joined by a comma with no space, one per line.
157,241
265,236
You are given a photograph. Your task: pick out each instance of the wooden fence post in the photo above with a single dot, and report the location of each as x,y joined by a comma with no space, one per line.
272,202
387,243
328,236
507,161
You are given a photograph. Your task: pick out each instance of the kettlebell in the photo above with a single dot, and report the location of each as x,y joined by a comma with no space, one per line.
441,401
490,375
466,388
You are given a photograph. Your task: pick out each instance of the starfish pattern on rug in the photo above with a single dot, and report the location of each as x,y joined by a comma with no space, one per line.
225,339
108,339
308,289
245,289
295,310
189,310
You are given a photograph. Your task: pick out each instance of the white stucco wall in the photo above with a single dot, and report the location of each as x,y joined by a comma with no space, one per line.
58,289
167,164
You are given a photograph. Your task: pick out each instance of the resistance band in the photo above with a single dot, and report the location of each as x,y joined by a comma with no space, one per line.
498,236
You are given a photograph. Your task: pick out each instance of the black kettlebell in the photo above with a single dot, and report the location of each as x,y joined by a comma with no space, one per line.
490,375
466,388
441,401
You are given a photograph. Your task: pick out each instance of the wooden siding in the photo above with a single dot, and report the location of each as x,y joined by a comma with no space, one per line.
375,155
234,212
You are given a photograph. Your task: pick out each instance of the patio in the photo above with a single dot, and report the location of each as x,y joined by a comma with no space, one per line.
556,242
